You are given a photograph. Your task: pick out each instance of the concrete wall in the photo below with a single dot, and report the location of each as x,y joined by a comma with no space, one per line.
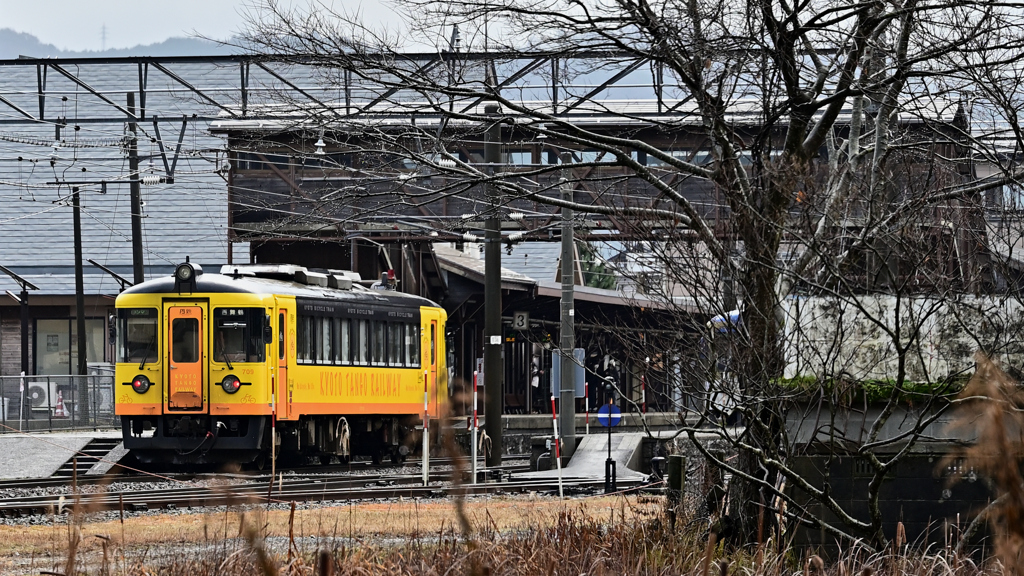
923,491
858,337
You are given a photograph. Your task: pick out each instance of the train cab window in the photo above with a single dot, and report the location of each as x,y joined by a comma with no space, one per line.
137,330
345,340
412,345
396,340
238,335
378,343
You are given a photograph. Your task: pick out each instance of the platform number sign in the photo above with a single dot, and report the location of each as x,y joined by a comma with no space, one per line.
520,320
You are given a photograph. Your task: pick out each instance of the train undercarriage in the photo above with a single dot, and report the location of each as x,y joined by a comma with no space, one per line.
205,439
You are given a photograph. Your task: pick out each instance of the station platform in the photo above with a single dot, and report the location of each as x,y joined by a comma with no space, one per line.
591,453
631,422
44,454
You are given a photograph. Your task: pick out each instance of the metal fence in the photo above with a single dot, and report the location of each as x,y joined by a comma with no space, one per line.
58,402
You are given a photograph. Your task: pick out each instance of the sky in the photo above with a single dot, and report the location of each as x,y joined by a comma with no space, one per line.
78,24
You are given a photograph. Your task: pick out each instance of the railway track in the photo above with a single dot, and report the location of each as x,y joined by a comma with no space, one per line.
288,490
354,481
261,490
143,475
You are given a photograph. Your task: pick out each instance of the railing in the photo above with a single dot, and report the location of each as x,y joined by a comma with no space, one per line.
58,402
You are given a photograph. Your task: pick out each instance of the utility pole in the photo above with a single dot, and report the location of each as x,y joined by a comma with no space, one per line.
136,194
26,408
567,337
82,404
493,370
22,300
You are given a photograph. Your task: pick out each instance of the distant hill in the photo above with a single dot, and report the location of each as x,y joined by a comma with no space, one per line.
14,44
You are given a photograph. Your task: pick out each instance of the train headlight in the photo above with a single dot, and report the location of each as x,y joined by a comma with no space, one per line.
184,273
185,276
231,384
140,384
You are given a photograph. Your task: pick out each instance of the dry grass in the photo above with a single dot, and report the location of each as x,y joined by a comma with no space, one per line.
152,535
992,406
510,536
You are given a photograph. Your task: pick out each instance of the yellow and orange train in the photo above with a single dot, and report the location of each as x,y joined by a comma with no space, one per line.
211,366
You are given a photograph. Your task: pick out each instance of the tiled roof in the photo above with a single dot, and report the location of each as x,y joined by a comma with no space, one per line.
188,217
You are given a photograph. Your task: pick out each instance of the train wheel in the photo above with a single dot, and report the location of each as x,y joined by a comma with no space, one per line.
325,459
397,458
344,459
260,462
377,457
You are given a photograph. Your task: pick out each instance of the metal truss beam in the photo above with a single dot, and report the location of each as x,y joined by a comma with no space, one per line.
312,59
197,91
533,65
604,85
86,87
143,86
16,108
238,102
169,169
292,85
393,90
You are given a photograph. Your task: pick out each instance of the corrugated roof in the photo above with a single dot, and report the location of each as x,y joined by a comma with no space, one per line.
538,260
458,262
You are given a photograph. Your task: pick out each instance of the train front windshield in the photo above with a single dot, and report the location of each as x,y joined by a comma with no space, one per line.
137,334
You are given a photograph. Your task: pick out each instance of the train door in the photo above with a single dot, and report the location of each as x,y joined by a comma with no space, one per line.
282,394
186,378
433,352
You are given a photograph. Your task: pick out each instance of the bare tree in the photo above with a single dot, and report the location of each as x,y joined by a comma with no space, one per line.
827,149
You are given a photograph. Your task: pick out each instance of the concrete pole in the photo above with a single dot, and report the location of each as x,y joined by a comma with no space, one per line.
25,412
567,336
494,371
135,193
82,403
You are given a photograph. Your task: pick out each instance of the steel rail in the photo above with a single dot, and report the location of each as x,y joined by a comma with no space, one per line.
281,490
120,474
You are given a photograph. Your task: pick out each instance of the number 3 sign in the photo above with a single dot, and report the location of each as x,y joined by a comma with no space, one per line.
520,320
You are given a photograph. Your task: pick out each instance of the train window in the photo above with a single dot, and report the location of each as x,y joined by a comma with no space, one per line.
325,356
238,335
433,343
137,330
378,344
335,340
346,341
362,342
280,335
185,340
412,345
302,343
396,339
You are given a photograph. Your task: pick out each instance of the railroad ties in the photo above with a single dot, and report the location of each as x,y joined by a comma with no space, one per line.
302,485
